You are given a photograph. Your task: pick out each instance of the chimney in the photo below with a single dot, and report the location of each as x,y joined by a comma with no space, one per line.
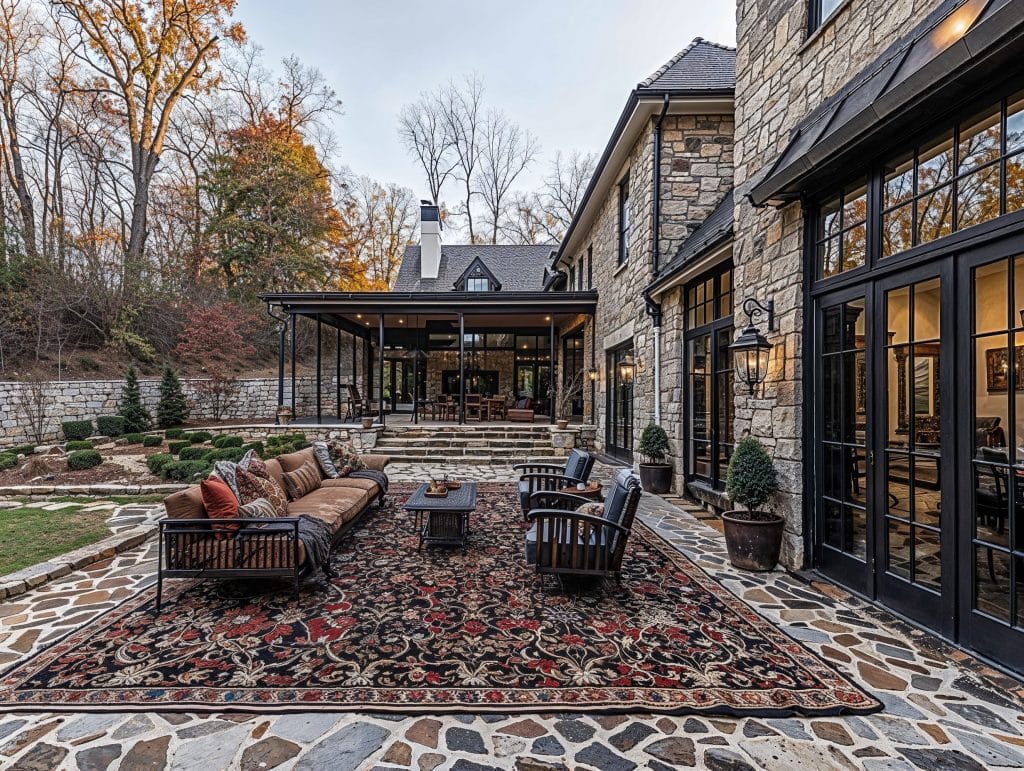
430,240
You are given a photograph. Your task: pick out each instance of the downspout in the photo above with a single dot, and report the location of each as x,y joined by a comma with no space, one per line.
654,309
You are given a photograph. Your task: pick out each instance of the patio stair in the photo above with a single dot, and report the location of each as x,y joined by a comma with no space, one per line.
476,444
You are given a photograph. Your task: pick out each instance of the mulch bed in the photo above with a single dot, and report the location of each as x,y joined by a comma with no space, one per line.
441,631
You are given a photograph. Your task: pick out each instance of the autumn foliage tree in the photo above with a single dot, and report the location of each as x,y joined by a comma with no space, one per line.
212,343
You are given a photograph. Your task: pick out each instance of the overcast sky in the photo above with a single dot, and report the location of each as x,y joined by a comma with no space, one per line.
562,68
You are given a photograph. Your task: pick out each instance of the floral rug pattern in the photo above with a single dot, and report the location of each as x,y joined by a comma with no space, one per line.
441,630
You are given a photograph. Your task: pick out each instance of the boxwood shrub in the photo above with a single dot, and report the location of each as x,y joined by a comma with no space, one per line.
8,460
77,429
175,447
23,449
226,440
186,470
233,454
158,460
78,444
152,440
257,446
133,438
198,437
174,433
83,459
193,453
110,425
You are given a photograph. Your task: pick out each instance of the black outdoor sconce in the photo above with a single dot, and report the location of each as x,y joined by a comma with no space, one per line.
626,368
592,374
751,350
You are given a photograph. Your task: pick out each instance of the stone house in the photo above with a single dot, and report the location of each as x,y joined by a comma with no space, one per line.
879,205
667,166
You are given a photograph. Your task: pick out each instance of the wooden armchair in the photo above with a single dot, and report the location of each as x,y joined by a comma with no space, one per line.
549,476
563,541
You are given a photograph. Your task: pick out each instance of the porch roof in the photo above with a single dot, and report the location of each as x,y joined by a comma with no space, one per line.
358,312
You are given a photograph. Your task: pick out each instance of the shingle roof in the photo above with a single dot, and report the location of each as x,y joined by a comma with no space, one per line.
701,66
716,227
519,268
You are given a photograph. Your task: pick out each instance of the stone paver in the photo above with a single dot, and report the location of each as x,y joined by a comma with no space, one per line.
943,709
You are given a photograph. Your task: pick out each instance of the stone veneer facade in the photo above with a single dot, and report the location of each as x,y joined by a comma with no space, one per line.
696,173
781,75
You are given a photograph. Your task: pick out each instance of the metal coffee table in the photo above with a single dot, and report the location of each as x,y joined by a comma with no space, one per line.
442,521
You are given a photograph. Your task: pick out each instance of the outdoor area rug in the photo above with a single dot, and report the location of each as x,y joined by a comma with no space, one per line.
441,631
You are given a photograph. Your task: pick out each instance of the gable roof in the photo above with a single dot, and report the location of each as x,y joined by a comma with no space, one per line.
477,269
701,76
701,66
517,268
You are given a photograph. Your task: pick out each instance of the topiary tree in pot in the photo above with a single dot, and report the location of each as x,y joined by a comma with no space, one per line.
655,473
753,536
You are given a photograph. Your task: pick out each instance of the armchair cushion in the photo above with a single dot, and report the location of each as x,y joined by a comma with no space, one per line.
524,495
531,546
579,465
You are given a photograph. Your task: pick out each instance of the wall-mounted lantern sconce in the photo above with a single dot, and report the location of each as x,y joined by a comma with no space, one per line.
592,374
751,349
626,368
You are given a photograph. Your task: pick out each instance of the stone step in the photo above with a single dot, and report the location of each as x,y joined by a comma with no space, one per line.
479,460
495,443
466,452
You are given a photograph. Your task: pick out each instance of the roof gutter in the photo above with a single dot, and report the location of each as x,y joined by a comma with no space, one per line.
656,187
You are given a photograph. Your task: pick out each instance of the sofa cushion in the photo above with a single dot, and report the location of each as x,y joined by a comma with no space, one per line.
185,504
375,462
323,458
273,471
368,486
335,506
220,503
302,480
292,461
251,487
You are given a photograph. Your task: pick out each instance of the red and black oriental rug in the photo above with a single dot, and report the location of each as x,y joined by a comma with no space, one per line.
439,631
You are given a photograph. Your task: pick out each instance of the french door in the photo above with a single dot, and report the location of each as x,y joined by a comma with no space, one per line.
619,424
883,446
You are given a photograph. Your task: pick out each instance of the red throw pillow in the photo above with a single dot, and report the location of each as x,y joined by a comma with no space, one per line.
220,503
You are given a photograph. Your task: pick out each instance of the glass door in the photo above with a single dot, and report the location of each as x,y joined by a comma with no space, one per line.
843,419
913,538
619,428
991,530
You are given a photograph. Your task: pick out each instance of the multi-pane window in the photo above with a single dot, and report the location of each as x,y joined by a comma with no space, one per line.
624,221
709,331
819,10
955,181
478,285
842,230
590,267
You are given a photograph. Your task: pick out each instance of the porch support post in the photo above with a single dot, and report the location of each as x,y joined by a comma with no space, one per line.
462,368
552,380
337,372
593,365
280,363
294,319
319,374
380,345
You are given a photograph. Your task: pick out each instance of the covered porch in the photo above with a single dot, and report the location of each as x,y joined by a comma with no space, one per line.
452,357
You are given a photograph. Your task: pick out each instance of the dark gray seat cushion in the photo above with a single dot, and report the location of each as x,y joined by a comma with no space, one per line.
531,548
524,495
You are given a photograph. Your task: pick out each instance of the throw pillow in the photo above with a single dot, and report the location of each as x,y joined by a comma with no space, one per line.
304,480
261,508
227,471
254,463
593,509
323,458
346,458
252,487
220,503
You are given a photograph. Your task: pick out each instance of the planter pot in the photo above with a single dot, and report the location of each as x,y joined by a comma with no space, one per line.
753,538
284,416
562,424
656,477
367,423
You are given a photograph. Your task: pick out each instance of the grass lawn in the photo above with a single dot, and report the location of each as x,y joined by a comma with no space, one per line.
28,536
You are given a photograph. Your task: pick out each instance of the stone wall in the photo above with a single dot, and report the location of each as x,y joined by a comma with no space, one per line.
696,172
88,399
781,75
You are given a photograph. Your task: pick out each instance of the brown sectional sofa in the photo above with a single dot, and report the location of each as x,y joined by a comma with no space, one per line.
189,547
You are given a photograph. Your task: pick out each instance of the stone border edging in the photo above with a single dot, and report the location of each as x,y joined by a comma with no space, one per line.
21,581
99,489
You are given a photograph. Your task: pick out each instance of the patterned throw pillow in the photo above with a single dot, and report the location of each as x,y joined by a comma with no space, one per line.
254,464
593,509
323,458
304,480
227,470
261,508
252,487
346,458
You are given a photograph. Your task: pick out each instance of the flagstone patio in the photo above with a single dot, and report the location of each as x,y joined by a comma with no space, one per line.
942,707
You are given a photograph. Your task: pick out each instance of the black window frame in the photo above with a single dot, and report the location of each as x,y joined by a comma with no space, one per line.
590,267
816,16
624,221
717,319
470,280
